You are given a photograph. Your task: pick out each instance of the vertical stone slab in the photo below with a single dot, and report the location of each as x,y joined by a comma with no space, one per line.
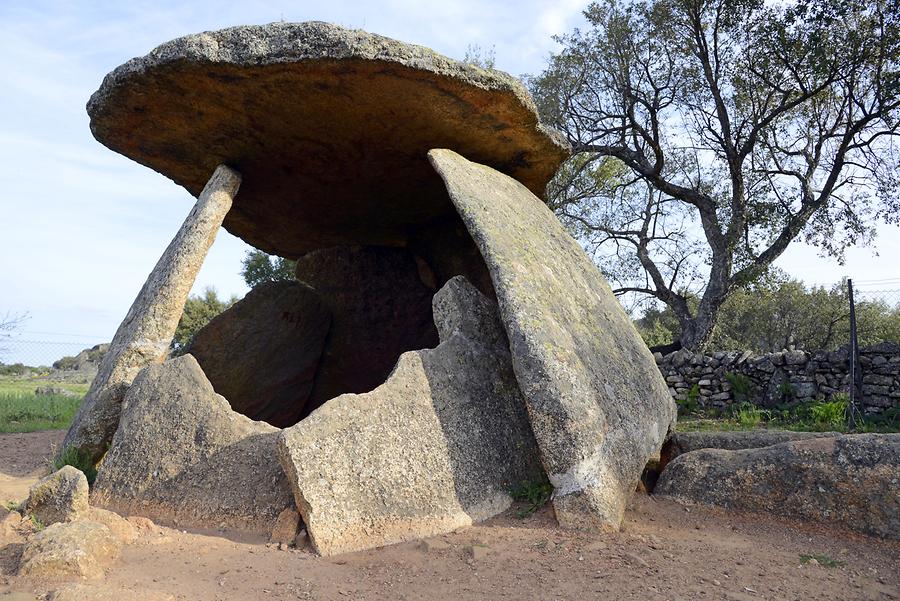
144,336
436,447
597,403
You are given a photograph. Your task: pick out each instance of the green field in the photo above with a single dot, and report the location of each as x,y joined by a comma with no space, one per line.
21,410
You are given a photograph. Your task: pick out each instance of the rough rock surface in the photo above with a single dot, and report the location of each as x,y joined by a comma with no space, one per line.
58,497
850,480
144,336
263,352
182,455
685,442
434,448
318,117
380,308
286,527
597,403
118,525
81,549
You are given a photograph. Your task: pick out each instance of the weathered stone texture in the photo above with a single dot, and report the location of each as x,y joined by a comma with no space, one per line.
685,442
851,480
62,550
597,404
380,308
262,353
347,164
182,455
145,334
435,448
58,497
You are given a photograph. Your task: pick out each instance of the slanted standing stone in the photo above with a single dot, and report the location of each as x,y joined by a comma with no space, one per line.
144,336
597,402
436,447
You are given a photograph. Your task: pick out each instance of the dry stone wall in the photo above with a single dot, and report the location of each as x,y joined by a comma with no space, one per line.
790,375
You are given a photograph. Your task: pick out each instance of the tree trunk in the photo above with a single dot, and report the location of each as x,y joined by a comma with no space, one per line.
697,331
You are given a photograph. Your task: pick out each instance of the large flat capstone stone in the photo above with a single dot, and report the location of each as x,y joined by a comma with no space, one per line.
850,480
262,354
329,126
596,400
438,446
182,456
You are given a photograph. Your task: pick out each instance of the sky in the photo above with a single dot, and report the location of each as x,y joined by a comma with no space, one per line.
81,226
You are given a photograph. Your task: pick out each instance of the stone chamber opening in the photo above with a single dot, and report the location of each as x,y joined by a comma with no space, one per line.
288,347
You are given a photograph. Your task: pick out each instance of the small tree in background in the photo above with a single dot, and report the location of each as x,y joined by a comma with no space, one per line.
199,310
258,267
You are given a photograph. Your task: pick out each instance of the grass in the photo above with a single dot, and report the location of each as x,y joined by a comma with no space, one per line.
534,494
79,460
807,416
28,412
822,560
23,411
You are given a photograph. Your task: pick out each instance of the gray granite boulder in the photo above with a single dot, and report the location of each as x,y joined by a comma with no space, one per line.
380,308
58,497
182,456
436,447
850,480
262,354
596,400
685,442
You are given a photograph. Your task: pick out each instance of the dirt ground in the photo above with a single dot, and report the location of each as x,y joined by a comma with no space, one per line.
664,551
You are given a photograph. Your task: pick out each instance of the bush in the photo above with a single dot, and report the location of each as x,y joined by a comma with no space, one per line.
534,494
77,459
741,386
831,415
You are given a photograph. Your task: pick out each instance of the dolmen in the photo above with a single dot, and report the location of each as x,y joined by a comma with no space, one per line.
444,341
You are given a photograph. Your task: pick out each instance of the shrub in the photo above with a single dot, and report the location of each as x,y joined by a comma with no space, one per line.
831,414
741,386
535,494
79,460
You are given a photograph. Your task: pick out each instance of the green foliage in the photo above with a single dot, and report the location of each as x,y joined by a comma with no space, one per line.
38,524
748,415
534,494
691,400
817,415
79,460
831,415
778,312
198,311
822,560
16,369
741,386
27,412
258,267
722,115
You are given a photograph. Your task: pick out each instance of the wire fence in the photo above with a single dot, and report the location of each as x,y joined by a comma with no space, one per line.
23,349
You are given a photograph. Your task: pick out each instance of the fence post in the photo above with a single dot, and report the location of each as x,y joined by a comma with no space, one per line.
855,375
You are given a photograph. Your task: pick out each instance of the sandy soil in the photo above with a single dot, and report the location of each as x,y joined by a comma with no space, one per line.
663,552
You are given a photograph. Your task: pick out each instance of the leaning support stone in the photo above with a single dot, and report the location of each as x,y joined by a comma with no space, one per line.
596,400
144,336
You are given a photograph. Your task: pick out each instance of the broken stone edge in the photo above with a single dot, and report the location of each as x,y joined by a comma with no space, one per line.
279,43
